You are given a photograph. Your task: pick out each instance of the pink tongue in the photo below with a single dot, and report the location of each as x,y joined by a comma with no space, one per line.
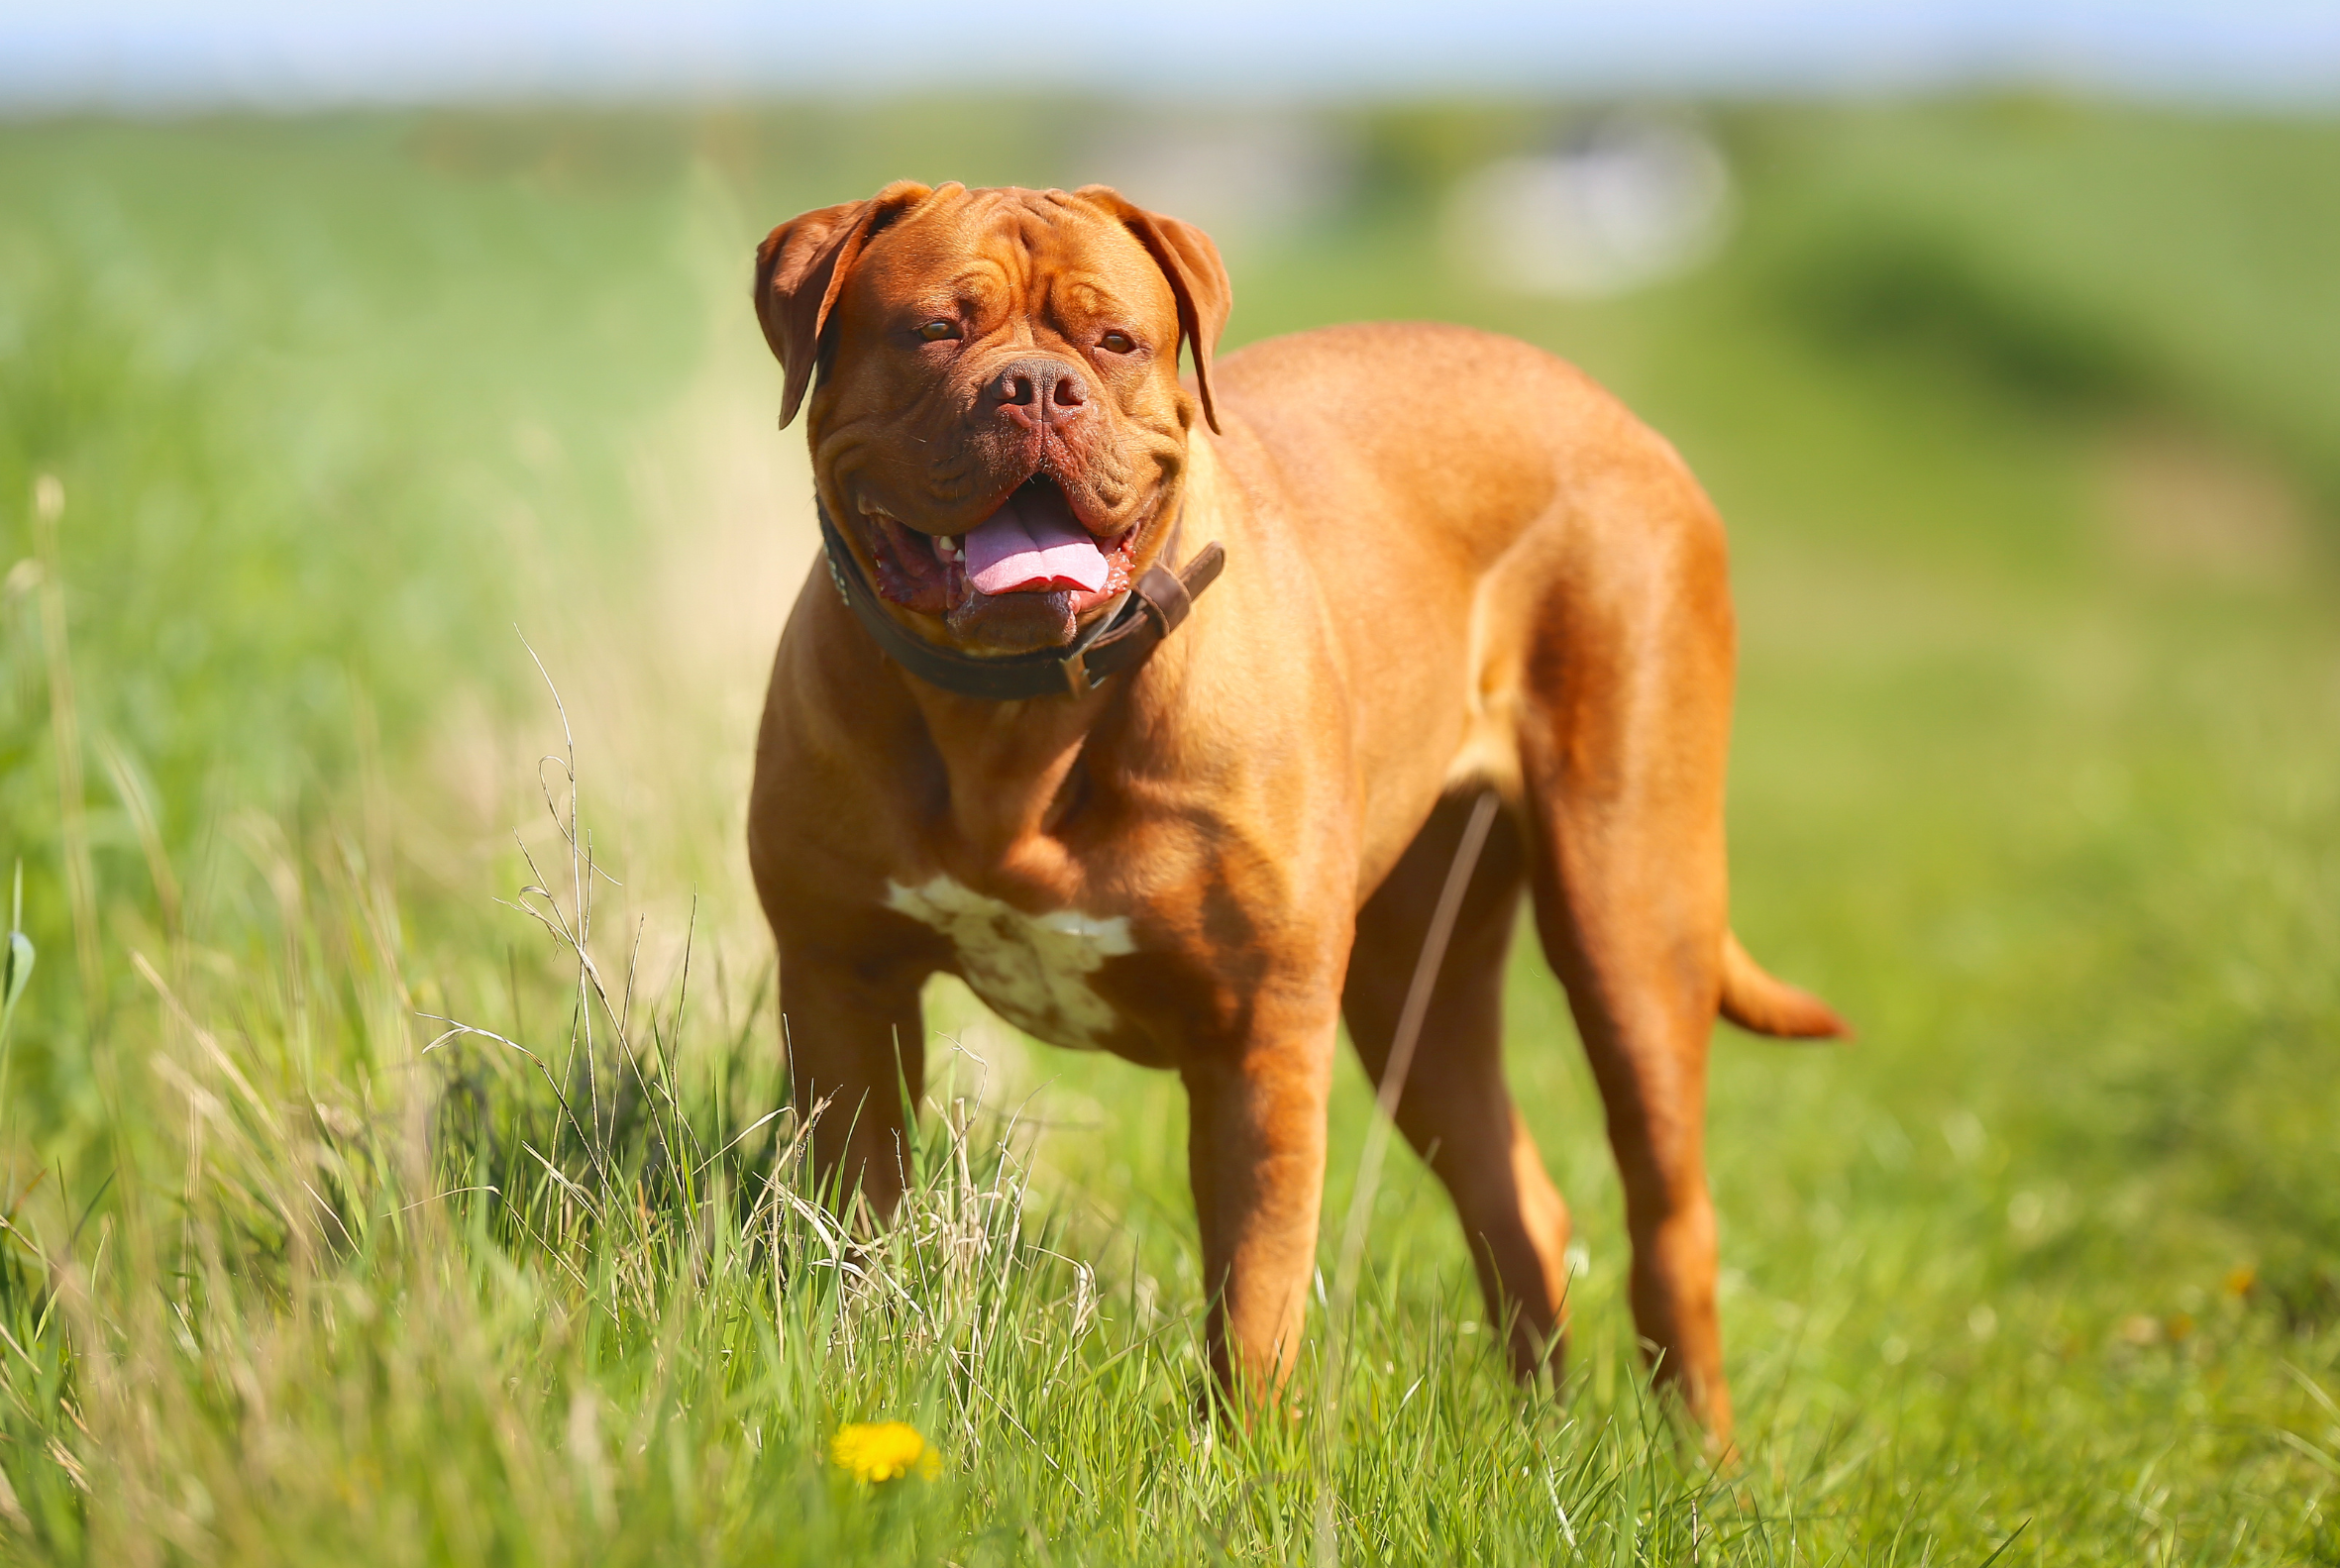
1032,549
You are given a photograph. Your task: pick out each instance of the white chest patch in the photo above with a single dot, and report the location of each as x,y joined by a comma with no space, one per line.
1030,969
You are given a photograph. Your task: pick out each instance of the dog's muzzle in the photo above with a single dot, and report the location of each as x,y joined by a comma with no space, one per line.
1157,602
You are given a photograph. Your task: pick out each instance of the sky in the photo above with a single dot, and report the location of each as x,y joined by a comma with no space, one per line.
167,54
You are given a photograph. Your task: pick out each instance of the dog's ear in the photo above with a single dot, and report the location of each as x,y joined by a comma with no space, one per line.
1197,276
800,269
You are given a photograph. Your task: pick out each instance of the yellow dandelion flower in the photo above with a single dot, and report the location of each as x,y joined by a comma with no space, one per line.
883,1450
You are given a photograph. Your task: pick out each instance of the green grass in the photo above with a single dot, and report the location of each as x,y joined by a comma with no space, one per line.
2022,416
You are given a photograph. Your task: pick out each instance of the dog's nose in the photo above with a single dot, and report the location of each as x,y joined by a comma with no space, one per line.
1038,391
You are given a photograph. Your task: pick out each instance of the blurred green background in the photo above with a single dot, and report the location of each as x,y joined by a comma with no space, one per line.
2023,414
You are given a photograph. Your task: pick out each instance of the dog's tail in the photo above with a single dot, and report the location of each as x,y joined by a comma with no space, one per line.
1754,1001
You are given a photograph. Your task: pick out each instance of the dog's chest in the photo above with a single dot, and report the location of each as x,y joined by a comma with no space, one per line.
1034,970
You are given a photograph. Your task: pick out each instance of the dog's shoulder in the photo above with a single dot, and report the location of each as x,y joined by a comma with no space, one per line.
1328,357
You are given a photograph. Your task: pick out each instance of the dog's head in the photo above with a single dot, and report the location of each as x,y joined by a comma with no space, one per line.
997,421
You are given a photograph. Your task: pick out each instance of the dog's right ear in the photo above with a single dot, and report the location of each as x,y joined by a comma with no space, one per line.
800,269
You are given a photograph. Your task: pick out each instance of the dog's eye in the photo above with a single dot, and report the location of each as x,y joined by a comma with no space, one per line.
936,331
1116,343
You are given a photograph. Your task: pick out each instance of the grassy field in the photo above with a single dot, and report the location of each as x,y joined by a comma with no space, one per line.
2023,417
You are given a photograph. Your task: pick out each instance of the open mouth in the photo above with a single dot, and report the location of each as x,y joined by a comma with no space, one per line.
1034,544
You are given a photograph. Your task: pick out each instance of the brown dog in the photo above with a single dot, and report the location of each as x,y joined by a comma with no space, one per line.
1452,566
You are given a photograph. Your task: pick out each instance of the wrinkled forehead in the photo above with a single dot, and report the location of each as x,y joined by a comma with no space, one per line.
1012,249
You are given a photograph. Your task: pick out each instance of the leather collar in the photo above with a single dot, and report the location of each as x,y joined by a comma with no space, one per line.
1119,640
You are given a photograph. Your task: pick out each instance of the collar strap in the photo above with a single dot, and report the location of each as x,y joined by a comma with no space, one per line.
1116,641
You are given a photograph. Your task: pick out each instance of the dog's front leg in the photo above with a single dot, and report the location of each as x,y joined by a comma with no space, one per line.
1255,1150
857,1061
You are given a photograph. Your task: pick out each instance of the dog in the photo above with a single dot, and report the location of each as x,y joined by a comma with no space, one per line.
1158,711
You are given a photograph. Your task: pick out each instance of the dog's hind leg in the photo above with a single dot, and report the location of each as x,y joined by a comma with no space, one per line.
1625,729
1453,1107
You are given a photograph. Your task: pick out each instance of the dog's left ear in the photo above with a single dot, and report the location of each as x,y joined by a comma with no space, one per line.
1197,276
800,269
